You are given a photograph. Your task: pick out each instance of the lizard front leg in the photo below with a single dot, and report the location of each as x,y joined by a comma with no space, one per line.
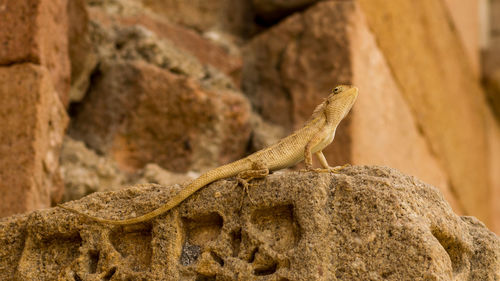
315,140
326,168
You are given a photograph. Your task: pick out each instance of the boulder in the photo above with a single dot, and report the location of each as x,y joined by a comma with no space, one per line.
138,113
33,125
35,32
366,223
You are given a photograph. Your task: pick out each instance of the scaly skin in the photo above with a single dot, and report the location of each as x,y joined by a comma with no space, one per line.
317,133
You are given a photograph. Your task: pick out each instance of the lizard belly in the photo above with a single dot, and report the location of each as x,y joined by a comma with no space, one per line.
325,142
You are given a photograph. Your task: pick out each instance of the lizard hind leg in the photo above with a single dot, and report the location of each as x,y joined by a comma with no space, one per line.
259,170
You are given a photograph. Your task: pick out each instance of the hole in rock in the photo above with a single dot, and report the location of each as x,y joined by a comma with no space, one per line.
216,258
266,270
134,244
110,273
205,278
190,254
278,227
455,250
203,228
93,261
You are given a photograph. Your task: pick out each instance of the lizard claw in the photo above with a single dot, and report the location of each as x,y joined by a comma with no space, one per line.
337,169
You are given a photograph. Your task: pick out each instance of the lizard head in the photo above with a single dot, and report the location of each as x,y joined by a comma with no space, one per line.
341,100
344,94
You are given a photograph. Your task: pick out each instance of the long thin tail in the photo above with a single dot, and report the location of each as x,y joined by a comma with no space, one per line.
221,172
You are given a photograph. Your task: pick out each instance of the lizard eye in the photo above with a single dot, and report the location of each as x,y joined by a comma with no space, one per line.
337,90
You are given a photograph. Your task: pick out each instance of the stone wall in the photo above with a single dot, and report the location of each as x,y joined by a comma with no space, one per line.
186,86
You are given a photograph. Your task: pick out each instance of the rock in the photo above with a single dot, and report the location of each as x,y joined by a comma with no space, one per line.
466,16
81,51
153,173
229,16
366,223
138,113
85,172
284,67
273,10
182,38
264,134
285,71
30,32
33,125
439,84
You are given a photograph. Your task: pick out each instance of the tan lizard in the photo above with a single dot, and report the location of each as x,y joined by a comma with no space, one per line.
317,133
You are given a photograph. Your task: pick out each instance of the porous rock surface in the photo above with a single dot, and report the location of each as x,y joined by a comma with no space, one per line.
366,223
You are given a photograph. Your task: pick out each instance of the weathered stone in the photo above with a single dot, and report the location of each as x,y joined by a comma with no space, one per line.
153,173
138,114
382,127
85,172
33,124
368,223
187,40
441,89
35,31
272,10
81,52
230,16
285,71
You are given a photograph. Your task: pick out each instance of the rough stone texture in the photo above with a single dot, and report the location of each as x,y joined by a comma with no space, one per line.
85,172
33,124
138,113
224,15
368,223
285,71
153,173
465,16
34,31
81,51
187,40
441,90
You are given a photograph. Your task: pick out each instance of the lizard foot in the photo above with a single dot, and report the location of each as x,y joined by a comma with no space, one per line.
244,183
337,169
334,170
259,170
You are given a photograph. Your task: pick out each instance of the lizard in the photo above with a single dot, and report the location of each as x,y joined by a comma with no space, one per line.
317,133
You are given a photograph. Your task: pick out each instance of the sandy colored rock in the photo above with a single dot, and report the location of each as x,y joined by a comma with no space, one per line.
183,38
81,52
84,171
367,223
465,15
33,125
138,114
494,152
441,89
380,128
229,16
34,31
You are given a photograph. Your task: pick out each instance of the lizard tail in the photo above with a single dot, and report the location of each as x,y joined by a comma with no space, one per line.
221,172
